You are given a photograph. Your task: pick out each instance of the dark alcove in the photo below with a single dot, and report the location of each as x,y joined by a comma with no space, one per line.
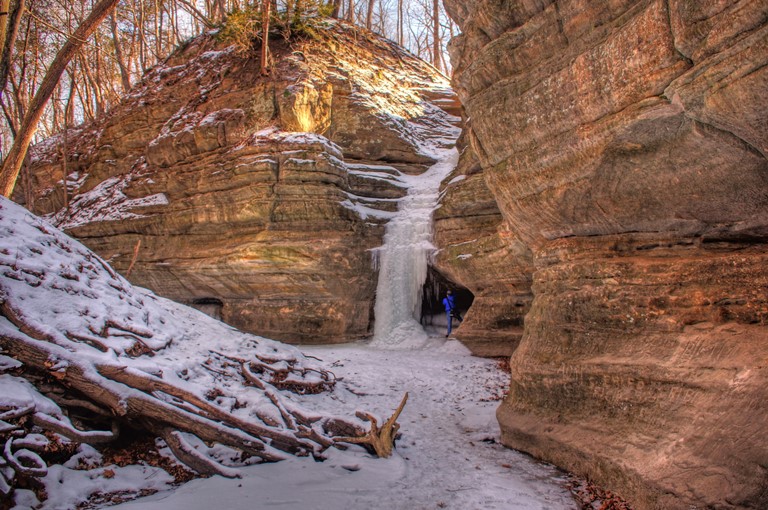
433,292
209,306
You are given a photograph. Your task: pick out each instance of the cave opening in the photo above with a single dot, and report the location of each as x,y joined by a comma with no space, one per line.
433,317
210,306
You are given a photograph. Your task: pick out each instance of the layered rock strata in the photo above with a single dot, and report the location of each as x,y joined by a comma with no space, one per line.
255,198
625,145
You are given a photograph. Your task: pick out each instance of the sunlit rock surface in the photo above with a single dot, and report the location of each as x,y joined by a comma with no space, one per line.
625,145
257,199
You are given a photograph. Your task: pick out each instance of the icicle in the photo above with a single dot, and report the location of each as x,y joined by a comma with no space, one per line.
375,256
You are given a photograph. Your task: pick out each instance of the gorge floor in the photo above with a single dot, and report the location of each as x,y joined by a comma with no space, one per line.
448,455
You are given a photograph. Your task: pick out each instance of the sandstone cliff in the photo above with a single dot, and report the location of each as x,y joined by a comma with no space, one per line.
625,145
257,199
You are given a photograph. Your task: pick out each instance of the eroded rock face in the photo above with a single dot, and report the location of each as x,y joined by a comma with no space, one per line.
625,145
255,198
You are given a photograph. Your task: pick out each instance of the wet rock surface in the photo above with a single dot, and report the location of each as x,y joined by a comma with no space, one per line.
624,144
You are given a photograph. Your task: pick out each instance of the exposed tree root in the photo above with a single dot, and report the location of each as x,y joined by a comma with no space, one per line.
147,401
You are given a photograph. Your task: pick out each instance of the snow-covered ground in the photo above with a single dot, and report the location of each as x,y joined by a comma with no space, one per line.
448,455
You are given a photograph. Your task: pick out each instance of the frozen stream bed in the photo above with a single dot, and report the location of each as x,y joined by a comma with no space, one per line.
448,455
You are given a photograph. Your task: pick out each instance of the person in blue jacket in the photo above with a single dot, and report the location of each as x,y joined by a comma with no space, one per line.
450,310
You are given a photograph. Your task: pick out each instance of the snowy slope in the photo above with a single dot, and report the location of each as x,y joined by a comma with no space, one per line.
60,299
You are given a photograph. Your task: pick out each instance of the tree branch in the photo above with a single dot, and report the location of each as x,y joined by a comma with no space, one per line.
12,164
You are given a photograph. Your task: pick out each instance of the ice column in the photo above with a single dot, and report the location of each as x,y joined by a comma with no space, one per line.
403,259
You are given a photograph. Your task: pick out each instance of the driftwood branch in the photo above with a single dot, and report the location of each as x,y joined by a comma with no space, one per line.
66,429
380,441
194,459
23,460
133,259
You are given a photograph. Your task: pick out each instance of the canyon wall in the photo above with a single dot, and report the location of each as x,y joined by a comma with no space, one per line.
625,146
255,198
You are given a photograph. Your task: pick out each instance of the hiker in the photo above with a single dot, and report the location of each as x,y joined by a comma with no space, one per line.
450,311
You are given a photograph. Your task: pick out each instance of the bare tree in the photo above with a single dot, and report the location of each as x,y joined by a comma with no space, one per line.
198,15
125,77
266,6
436,41
11,22
351,10
369,14
12,164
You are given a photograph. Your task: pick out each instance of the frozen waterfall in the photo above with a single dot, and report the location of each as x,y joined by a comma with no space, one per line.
403,258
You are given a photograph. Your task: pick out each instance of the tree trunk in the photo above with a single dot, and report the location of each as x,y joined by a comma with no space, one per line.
12,164
222,10
369,14
64,169
173,13
56,110
336,9
93,83
68,112
400,23
142,38
125,78
9,41
351,11
9,119
289,15
98,82
436,42
84,96
266,6
299,10
158,30
5,11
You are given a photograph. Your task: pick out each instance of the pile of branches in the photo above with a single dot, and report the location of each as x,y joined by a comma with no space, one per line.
89,355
